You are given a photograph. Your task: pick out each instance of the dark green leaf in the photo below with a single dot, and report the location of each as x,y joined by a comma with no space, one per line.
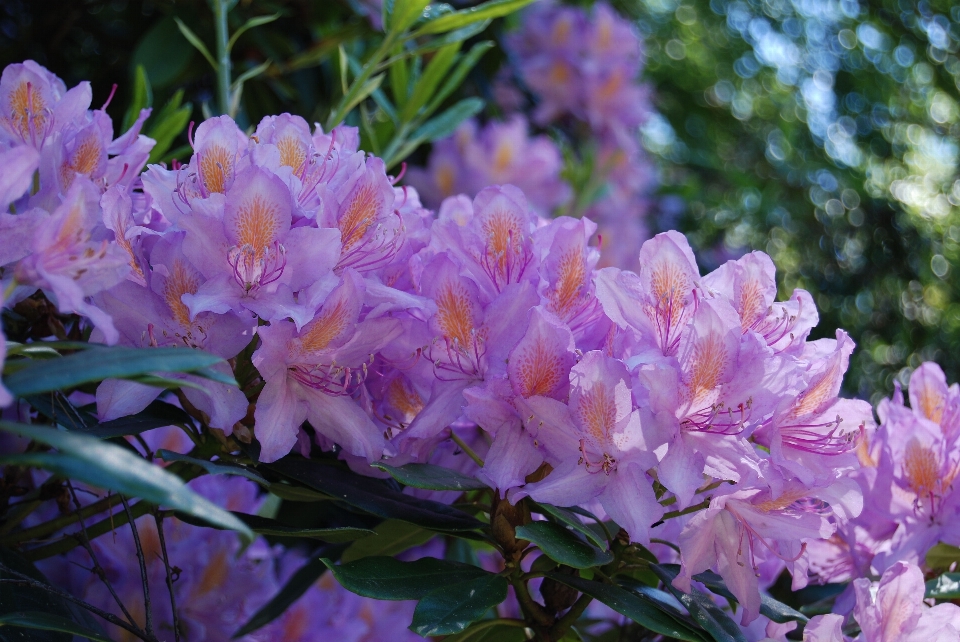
771,608
455,79
945,587
459,19
393,537
167,125
570,519
111,467
215,468
561,545
194,40
632,606
385,578
271,527
162,54
663,600
49,622
250,24
102,363
702,609
426,85
141,99
291,493
296,586
451,609
431,477
454,36
157,415
491,631
373,496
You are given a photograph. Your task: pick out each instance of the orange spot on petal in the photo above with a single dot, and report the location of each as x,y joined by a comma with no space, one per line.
455,314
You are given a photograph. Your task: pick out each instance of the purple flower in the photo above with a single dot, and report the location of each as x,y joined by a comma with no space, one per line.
35,104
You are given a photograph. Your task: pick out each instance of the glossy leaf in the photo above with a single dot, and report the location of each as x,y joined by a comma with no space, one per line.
431,477
373,496
49,622
157,415
498,630
459,19
446,123
393,537
404,14
456,78
941,556
945,587
632,606
111,467
102,363
702,609
451,609
305,577
561,545
771,608
273,528
569,518
426,86
386,578
215,468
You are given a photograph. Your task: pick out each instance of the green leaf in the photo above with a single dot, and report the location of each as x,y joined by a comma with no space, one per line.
161,54
141,99
167,125
157,415
102,363
771,608
451,609
17,597
291,493
468,62
393,537
373,496
446,123
386,578
49,622
215,468
561,545
570,519
426,86
273,528
498,630
459,19
357,96
454,36
250,24
945,587
431,477
111,467
404,14
661,599
702,609
941,556
399,75
297,585
632,606
194,40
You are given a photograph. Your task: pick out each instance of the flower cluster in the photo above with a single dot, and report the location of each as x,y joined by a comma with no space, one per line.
909,469
380,331
495,154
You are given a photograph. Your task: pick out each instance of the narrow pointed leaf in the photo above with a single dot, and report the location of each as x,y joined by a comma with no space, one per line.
570,519
459,19
446,123
373,496
451,609
702,609
393,537
194,40
431,477
561,545
38,620
266,526
215,468
632,606
102,363
111,467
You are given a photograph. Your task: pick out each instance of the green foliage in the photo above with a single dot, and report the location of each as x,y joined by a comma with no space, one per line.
431,477
562,546
40,621
451,609
386,578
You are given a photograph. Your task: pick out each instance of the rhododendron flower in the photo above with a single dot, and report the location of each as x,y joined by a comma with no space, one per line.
890,611
19,163
35,104
5,397
598,444
496,154
311,375
72,259
726,534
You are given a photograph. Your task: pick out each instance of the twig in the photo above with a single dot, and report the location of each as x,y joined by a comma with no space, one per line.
26,580
223,56
84,540
465,448
143,565
558,630
166,565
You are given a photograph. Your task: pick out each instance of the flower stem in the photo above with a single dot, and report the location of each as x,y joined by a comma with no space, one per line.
223,56
465,448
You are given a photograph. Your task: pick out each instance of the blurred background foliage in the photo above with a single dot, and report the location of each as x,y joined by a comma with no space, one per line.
823,132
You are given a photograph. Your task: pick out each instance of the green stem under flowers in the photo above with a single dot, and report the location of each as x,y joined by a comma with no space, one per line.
223,56
465,448
558,630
